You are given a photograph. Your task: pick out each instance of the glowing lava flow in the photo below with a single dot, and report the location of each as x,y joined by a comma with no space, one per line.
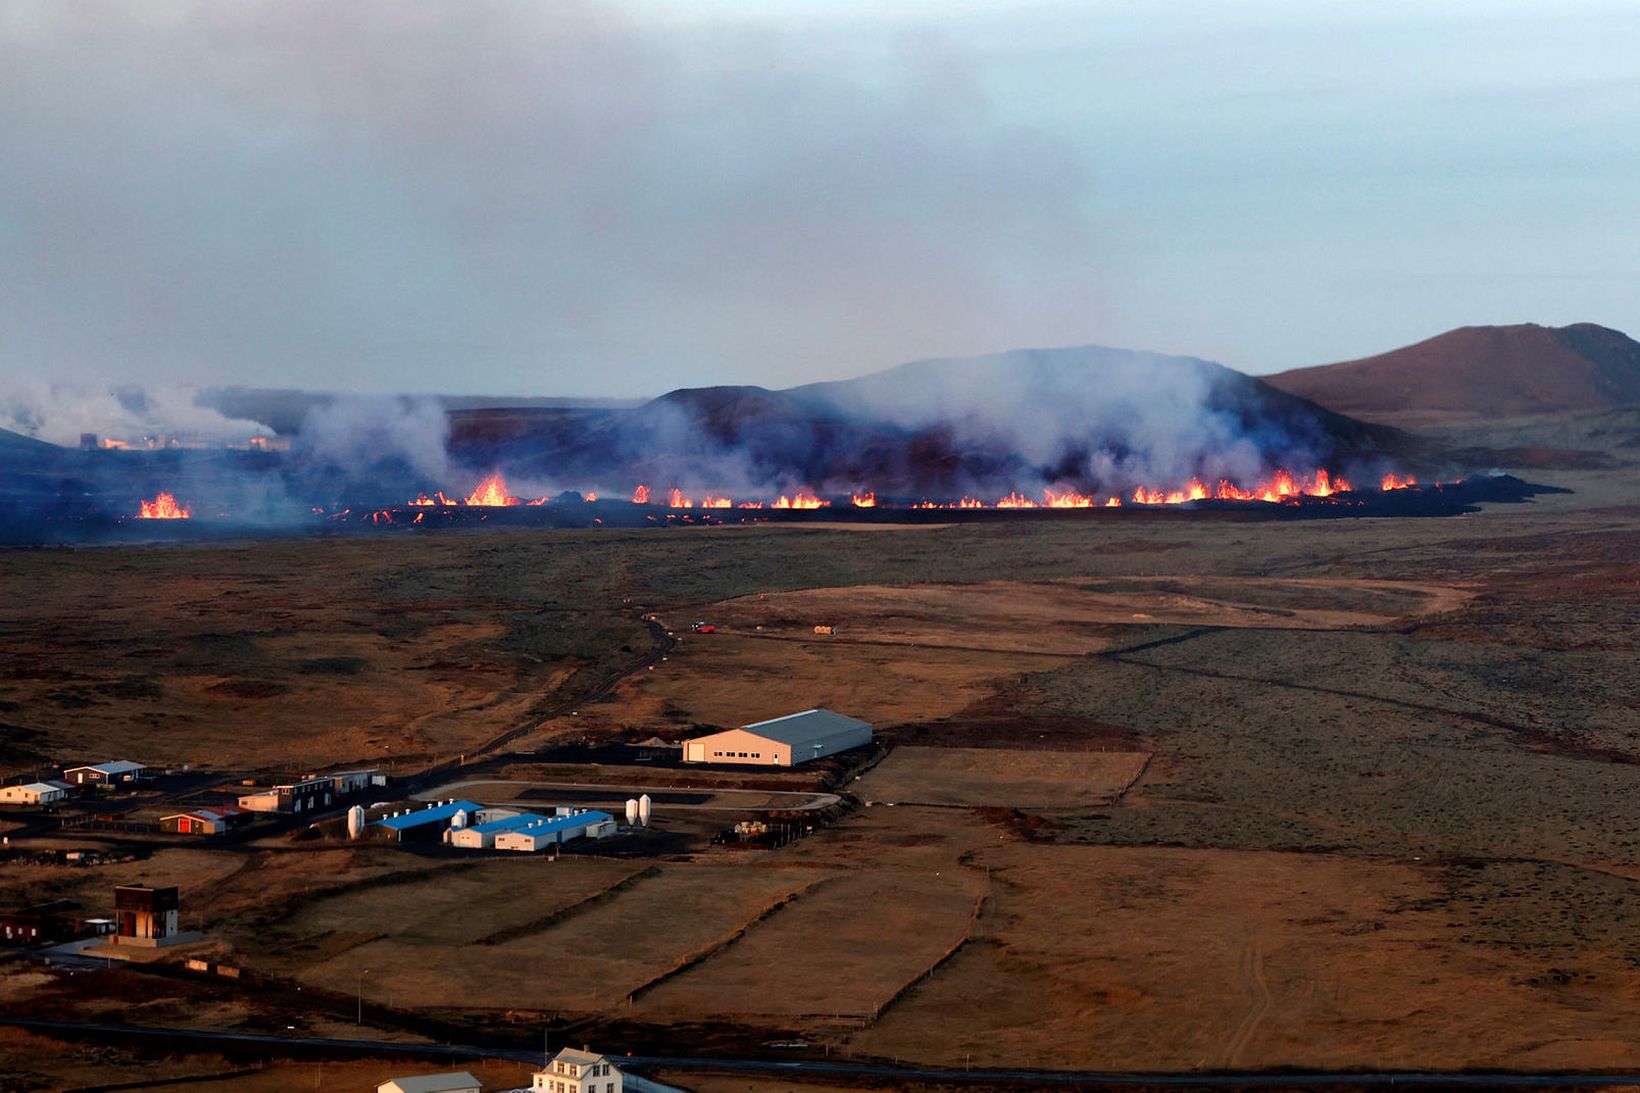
867,500
163,507
800,500
1395,482
492,492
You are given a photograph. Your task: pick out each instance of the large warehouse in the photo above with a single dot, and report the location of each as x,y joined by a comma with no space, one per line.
782,741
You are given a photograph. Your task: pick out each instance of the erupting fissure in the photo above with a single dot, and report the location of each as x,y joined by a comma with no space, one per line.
1281,487
163,507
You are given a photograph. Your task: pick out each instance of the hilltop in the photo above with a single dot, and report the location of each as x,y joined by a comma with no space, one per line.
1479,373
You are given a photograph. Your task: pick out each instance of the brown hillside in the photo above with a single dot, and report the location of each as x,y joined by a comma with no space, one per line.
1480,372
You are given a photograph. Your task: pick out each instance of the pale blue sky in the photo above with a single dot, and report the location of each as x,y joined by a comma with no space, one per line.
581,198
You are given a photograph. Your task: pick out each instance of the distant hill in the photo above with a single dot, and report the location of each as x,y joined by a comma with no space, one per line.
17,445
1091,416
1479,373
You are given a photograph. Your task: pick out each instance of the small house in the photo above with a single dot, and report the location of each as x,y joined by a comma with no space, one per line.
206,821
34,793
116,773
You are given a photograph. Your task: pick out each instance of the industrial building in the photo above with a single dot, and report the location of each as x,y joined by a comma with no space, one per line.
424,824
35,793
118,772
781,742
545,831
206,821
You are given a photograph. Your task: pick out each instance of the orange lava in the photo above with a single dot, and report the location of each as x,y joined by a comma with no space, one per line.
163,507
492,492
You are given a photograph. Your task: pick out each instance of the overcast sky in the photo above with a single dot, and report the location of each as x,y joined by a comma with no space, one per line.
571,197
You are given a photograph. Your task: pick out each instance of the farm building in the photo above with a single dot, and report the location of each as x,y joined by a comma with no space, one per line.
206,821
119,772
782,741
418,824
457,1081
544,831
572,1071
481,836
34,793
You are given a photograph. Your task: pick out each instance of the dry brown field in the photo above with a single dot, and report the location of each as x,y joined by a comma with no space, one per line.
838,952
1001,777
30,1063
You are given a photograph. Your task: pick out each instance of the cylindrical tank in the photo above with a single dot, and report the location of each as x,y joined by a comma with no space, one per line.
631,812
459,819
355,821
643,810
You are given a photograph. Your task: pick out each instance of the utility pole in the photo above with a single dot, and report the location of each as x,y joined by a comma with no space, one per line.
359,1020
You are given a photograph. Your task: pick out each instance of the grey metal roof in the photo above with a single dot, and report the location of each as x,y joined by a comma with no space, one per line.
807,727
119,766
436,1083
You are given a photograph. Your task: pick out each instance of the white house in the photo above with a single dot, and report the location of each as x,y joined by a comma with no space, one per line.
574,1071
455,1081
34,793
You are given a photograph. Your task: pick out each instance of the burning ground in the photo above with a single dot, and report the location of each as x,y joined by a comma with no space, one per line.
1072,428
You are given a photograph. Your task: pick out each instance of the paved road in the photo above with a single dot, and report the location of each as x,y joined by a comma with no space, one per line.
1028,1078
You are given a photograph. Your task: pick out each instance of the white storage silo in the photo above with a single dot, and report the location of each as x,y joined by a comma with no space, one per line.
643,810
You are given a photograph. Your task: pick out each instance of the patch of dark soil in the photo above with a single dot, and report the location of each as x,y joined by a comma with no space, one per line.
1003,721
332,666
249,688
1020,825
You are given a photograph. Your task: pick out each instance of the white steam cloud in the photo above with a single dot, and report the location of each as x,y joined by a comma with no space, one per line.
60,413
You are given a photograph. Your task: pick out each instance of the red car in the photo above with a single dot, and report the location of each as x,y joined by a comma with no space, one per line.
703,628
